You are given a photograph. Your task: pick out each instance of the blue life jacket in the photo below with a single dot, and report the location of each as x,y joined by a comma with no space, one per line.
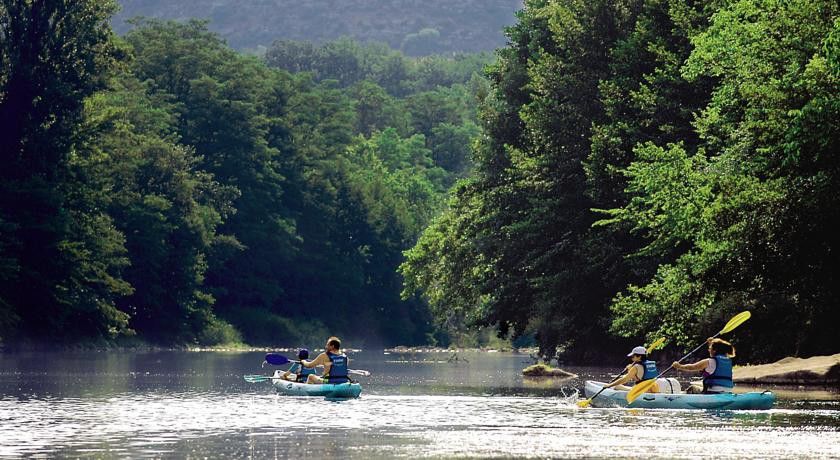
722,377
302,372
338,369
650,369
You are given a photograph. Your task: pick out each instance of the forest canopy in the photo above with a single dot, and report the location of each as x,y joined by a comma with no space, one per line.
618,172
649,169
164,186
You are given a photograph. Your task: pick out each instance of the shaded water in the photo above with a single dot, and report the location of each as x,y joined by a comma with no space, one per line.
196,404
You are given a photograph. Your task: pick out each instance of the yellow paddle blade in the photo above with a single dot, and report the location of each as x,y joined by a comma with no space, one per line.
736,321
656,344
584,403
639,389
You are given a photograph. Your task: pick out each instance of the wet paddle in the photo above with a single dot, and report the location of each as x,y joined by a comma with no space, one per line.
279,360
276,360
260,378
642,387
655,345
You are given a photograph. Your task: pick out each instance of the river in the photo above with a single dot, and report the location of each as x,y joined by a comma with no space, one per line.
178,404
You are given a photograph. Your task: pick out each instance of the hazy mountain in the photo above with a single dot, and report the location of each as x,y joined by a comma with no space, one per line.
415,26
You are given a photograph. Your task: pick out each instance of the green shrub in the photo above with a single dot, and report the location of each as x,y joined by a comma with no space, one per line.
218,332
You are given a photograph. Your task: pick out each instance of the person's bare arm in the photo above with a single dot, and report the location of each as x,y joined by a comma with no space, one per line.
631,374
698,366
293,369
319,360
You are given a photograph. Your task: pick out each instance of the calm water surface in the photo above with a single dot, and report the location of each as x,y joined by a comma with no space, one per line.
196,405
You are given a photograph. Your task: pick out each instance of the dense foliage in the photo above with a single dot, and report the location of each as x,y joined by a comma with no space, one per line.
165,186
417,28
650,168
638,168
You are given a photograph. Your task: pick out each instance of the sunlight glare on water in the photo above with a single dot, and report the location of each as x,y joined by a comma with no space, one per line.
180,414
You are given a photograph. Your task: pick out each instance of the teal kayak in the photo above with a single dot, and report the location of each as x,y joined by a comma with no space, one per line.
327,390
722,401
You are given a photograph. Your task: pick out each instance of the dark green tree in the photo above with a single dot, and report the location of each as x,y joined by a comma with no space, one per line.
757,222
535,264
63,254
167,207
223,101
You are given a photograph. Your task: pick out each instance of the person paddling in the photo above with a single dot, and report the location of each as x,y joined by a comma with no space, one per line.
334,362
717,368
296,372
640,368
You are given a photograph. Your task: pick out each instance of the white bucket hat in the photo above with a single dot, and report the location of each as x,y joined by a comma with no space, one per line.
638,351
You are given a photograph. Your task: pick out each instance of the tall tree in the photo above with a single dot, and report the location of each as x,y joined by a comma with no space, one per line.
53,55
224,101
166,206
531,243
758,221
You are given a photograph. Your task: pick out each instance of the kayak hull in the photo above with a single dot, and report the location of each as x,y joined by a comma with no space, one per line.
329,390
723,401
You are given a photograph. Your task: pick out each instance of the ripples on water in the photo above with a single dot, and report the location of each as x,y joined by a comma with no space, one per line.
90,408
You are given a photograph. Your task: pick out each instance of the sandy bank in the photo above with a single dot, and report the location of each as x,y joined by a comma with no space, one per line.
818,370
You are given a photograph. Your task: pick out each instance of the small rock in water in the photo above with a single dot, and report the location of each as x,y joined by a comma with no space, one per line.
542,370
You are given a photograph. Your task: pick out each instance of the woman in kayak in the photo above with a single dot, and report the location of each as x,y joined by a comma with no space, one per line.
717,368
640,368
296,372
334,362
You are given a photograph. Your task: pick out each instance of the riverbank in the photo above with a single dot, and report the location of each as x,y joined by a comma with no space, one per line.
134,344
817,370
131,344
127,344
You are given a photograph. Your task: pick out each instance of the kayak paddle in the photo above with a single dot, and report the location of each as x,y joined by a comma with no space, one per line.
642,387
656,344
279,360
259,378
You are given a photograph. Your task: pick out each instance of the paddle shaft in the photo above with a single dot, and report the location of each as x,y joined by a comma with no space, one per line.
686,356
613,380
361,372
588,401
280,360
349,371
265,378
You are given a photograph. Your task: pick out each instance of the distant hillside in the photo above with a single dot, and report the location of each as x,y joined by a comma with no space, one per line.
417,27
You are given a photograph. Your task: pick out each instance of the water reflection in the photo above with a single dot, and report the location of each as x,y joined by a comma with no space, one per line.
196,404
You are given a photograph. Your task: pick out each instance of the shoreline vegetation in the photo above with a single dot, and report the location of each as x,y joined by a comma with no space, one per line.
192,194
139,345
650,171
611,175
